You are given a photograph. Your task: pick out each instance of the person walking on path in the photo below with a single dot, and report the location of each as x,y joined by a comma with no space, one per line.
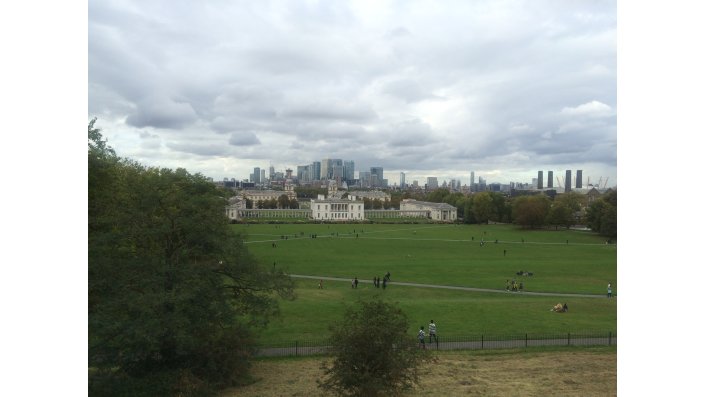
320,284
384,283
507,285
609,290
352,283
355,281
422,339
432,332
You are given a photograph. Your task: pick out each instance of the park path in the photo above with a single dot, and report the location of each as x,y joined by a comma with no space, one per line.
499,291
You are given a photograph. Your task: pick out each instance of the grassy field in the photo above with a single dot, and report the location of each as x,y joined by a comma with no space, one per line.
561,261
561,372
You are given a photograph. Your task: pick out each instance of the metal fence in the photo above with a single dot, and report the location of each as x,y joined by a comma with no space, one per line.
468,342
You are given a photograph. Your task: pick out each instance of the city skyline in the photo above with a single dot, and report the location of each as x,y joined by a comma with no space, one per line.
502,88
467,179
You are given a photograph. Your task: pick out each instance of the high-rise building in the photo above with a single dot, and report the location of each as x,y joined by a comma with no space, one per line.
262,178
325,167
567,181
303,173
365,179
472,178
349,171
402,180
271,172
431,183
579,179
378,180
331,168
549,185
316,171
539,184
257,176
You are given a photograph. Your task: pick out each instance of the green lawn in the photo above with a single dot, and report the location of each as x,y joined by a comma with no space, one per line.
444,255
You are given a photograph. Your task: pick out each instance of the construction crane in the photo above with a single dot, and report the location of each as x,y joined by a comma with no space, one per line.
605,185
558,181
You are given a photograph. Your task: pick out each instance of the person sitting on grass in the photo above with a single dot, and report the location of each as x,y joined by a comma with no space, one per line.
557,308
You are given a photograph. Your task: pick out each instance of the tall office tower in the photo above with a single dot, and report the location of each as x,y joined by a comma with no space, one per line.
325,169
288,173
257,176
349,171
303,173
379,171
431,183
579,179
549,185
336,167
316,171
365,179
402,180
271,172
262,179
567,181
540,181
472,178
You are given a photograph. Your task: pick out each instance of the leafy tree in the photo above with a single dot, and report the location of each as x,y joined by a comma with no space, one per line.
377,204
483,207
531,211
560,215
283,201
173,294
602,215
294,204
373,353
438,195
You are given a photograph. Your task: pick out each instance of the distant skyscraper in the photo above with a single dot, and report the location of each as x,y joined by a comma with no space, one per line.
326,169
271,172
257,176
316,170
431,183
402,180
549,185
540,181
261,176
567,180
349,171
365,179
379,171
472,178
579,179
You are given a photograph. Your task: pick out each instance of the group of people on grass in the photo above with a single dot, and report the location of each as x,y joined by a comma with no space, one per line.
514,286
431,335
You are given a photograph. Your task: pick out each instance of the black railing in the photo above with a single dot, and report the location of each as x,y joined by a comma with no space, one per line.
309,347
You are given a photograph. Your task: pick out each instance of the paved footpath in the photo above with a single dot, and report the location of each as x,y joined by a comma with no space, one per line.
499,291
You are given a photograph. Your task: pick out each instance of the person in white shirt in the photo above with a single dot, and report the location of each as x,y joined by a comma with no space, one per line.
432,332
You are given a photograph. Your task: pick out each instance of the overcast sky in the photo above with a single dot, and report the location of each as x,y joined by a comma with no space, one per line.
502,88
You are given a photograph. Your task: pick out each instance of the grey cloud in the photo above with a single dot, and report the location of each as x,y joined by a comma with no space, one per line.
243,138
199,149
332,110
162,112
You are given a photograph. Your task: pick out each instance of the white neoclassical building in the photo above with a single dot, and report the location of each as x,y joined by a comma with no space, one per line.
441,212
341,210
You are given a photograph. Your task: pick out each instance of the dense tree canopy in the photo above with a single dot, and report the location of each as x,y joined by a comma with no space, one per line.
173,293
602,215
531,211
